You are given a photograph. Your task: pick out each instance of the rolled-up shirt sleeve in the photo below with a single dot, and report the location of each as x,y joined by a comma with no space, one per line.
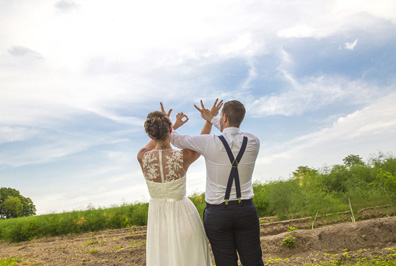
194,143
216,122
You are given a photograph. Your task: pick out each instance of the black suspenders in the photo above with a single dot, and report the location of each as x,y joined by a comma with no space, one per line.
234,174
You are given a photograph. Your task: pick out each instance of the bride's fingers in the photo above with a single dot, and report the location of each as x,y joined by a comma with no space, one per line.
196,107
202,105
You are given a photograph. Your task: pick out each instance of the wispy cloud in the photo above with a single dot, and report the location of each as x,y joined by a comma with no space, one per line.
23,51
66,6
351,46
363,132
310,94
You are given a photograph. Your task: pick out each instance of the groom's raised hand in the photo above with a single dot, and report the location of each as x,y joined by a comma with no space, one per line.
209,114
205,113
216,107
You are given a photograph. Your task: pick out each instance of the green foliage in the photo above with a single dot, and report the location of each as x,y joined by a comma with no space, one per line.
282,197
199,202
289,241
292,228
327,191
261,200
309,192
27,228
12,207
353,160
8,261
13,204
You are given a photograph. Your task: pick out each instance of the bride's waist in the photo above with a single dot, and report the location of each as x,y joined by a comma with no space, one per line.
167,199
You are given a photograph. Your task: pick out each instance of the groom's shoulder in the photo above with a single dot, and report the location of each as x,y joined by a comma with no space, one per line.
251,137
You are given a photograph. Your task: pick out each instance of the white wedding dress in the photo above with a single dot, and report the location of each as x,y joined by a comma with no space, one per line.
175,234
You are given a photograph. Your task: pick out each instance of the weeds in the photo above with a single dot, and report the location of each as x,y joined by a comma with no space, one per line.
9,261
289,241
117,248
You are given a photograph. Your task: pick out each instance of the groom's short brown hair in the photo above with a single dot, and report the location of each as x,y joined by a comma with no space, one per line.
235,112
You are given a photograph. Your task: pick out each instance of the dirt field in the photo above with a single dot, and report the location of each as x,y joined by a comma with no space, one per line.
339,243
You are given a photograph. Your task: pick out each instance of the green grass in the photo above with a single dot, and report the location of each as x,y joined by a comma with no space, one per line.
8,261
342,259
266,200
27,228
309,193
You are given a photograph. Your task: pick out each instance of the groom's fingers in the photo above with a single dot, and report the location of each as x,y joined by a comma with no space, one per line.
215,103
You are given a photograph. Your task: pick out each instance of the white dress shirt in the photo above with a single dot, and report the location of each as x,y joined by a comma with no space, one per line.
218,165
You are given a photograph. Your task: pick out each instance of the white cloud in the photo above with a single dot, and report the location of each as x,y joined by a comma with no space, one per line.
23,51
298,31
313,93
363,132
351,46
66,6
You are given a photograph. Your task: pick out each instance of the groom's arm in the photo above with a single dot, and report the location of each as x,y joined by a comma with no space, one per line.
215,122
206,128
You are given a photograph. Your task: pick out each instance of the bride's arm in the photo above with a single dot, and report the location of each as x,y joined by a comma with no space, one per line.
189,157
150,146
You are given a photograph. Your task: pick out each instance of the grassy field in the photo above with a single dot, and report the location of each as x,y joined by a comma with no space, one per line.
309,193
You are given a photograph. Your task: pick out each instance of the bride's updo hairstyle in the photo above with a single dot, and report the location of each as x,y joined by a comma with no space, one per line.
157,125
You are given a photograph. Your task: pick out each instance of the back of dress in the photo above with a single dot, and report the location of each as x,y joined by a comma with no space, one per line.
164,174
175,234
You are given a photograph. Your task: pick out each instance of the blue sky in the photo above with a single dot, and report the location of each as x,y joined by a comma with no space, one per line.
77,79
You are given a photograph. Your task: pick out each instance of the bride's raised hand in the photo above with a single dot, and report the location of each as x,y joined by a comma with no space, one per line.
216,107
181,119
163,111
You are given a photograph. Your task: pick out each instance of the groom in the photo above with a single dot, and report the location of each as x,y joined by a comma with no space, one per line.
230,217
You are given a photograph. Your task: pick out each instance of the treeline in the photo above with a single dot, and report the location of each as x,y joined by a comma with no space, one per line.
354,184
310,192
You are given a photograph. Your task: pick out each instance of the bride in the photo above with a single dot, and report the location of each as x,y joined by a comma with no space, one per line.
175,234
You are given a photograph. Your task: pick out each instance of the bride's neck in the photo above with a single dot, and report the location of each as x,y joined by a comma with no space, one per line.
162,145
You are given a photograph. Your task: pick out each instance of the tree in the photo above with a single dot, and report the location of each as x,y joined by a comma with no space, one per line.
13,204
303,171
353,160
386,182
12,207
306,175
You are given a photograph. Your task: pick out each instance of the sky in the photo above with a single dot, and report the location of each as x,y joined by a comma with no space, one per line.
78,78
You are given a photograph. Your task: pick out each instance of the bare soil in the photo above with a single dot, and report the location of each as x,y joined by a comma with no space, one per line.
343,243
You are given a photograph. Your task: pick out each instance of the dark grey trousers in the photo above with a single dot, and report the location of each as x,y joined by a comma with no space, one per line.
231,228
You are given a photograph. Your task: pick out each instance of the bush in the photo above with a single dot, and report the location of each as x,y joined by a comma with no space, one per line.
27,228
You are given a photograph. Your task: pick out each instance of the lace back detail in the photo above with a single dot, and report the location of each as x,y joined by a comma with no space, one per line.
163,166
